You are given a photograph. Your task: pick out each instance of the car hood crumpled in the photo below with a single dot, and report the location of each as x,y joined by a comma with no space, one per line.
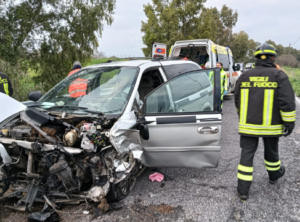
9,106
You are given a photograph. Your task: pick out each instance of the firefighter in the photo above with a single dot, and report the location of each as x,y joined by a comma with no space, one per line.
223,79
265,102
277,66
5,85
76,67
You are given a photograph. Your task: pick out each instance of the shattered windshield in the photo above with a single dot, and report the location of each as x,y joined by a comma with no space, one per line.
104,89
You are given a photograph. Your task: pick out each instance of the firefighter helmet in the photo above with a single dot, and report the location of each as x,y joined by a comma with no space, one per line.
265,49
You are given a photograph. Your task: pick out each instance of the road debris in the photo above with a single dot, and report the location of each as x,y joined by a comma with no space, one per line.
156,177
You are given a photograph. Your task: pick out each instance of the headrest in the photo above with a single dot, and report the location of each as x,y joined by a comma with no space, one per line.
147,81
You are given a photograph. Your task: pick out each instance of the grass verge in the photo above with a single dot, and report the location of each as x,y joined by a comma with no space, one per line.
294,76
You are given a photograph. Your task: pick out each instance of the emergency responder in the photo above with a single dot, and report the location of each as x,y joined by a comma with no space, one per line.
207,64
223,78
76,67
187,57
277,66
265,102
5,85
79,86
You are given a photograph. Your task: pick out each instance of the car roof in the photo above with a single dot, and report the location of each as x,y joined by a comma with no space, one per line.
131,63
137,63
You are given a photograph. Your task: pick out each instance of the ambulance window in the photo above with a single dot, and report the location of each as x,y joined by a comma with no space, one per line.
174,70
223,58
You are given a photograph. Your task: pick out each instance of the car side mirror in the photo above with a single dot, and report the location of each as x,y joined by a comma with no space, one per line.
35,96
237,67
143,127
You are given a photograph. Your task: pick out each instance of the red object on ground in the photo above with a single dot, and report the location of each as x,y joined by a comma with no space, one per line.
156,176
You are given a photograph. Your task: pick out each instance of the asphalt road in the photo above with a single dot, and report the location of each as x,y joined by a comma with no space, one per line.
210,194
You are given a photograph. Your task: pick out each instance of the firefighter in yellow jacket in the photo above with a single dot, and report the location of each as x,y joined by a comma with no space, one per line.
265,102
223,79
5,85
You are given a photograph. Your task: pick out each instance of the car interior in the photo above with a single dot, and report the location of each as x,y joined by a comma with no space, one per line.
198,54
151,79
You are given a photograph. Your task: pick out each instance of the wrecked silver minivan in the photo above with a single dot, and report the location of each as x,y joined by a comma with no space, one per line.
90,136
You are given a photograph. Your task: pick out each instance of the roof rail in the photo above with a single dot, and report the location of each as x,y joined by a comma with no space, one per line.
129,58
166,58
142,58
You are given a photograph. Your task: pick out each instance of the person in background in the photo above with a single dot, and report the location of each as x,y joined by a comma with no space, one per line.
5,85
79,86
203,65
187,57
223,78
207,64
76,67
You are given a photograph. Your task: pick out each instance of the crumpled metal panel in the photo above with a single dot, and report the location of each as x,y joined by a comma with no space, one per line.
97,192
125,139
5,157
46,147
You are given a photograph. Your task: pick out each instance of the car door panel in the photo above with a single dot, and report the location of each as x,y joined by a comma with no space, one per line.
182,135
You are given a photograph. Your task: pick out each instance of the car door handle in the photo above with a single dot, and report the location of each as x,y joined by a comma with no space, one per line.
208,130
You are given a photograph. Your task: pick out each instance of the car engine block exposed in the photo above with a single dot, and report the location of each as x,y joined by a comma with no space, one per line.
46,158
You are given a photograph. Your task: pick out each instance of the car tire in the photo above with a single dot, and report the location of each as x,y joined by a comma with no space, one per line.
120,190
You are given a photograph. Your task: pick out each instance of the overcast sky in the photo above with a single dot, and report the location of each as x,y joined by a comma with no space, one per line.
261,19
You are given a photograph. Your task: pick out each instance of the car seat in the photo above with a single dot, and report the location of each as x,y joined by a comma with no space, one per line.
146,86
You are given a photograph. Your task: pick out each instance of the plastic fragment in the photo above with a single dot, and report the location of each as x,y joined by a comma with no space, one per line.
156,177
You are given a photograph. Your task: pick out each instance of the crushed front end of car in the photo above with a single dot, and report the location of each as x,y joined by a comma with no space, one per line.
60,152
67,160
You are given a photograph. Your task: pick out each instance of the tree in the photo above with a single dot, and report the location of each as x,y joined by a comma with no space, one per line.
172,20
287,60
229,20
242,46
169,21
99,55
49,35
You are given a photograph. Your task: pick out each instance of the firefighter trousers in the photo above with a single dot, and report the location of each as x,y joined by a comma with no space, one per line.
245,169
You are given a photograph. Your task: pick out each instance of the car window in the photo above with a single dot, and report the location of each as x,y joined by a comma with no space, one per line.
190,92
103,89
174,70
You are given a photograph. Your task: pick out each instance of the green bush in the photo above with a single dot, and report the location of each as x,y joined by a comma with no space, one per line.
21,81
294,76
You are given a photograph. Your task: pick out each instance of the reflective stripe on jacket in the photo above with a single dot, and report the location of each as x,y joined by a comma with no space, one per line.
78,87
5,85
223,81
265,101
